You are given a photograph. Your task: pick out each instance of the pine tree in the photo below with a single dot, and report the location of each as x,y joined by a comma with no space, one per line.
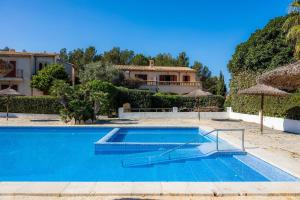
221,86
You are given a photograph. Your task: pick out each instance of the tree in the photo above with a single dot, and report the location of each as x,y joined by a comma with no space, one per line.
265,49
292,27
294,6
63,55
81,103
221,86
100,71
164,59
112,56
198,66
204,75
126,57
76,57
202,71
140,59
89,54
45,77
210,84
182,60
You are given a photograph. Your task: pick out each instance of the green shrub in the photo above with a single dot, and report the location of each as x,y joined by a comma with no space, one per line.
137,98
148,99
38,105
97,86
45,77
168,101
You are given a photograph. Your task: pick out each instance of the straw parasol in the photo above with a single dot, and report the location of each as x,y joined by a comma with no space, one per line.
286,77
8,92
263,90
198,93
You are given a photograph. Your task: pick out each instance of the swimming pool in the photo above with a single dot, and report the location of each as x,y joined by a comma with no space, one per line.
159,135
68,154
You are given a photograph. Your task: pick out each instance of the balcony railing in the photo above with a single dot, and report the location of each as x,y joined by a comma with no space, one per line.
172,83
18,74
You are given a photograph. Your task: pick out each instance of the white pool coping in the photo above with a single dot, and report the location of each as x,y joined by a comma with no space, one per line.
150,188
159,188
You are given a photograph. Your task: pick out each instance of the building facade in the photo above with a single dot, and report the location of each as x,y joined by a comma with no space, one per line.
170,79
17,69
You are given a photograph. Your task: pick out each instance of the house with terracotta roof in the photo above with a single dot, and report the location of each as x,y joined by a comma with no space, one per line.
171,79
17,69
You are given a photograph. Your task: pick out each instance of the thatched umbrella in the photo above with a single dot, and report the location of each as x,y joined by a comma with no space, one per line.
8,93
263,90
197,94
286,77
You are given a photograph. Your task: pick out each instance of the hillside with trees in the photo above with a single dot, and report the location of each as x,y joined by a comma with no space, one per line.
89,60
266,49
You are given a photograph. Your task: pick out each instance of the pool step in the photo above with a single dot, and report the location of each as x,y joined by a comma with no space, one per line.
150,158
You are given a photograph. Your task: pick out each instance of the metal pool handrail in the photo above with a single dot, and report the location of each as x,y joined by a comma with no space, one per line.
149,159
210,132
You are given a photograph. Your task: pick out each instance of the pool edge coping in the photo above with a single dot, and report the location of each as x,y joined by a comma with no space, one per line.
150,188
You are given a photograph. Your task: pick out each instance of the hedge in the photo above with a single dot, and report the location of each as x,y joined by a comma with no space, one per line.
137,99
284,107
148,99
27,104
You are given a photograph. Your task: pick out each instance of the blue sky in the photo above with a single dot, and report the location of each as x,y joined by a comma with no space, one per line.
206,30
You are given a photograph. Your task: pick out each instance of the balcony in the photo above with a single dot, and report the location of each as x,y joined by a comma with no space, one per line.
17,76
173,83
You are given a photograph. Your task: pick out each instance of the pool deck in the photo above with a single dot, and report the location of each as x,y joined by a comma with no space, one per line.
276,147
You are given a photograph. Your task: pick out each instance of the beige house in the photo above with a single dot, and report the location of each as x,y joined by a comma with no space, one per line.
171,79
17,68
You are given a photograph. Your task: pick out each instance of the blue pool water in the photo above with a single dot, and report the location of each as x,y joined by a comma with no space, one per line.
67,154
158,135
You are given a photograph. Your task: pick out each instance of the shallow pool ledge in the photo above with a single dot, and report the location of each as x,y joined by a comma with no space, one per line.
150,188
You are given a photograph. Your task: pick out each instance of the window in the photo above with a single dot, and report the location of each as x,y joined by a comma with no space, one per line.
12,65
40,66
167,78
186,78
141,76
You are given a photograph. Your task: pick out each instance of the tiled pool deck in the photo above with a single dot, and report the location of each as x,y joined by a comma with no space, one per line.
278,148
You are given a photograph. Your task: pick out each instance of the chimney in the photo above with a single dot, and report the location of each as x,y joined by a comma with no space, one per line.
151,63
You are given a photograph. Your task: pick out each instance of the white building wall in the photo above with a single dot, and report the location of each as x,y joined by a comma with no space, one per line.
154,76
30,66
22,63
44,60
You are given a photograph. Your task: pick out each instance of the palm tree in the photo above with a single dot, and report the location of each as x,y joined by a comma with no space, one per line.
292,26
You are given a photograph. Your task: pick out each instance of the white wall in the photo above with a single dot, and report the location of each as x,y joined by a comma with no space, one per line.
172,115
281,124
